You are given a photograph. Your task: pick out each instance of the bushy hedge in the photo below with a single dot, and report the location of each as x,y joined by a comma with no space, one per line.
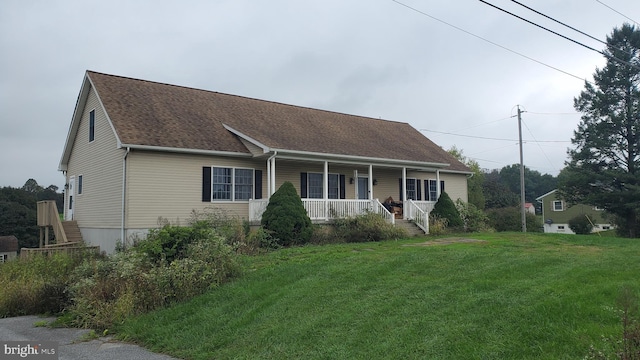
285,217
367,227
510,219
580,225
473,219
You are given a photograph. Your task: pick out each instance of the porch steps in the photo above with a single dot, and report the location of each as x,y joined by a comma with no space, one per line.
412,229
72,231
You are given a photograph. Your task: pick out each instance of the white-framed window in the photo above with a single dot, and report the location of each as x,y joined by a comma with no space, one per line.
605,227
231,184
431,188
561,228
412,187
558,205
315,186
3,258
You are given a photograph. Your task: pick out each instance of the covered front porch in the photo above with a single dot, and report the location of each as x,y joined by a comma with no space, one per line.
338,186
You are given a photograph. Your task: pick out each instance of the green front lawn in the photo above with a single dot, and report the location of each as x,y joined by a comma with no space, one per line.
510,297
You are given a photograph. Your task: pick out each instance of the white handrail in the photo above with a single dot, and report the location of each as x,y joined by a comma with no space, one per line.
420,217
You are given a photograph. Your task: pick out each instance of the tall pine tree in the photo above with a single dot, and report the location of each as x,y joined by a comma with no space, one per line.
604,166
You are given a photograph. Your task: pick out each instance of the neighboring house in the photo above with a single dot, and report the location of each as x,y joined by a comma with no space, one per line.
528,207
8,248
137,151
556,214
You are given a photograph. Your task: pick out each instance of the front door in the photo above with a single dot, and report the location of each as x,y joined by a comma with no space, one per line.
363,188
71,192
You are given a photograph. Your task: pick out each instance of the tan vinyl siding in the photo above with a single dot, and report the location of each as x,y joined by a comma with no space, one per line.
455,185
100,164
169,186
255,150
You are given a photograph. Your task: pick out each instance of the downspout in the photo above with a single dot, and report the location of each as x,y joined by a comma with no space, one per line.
124,184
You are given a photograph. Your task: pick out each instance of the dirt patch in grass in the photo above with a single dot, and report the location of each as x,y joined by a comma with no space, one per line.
446,241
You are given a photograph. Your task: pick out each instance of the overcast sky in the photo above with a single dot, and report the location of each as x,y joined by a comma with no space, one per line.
376,58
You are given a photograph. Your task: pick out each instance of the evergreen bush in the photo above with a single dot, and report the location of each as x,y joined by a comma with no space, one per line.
286,218
445,208
580,225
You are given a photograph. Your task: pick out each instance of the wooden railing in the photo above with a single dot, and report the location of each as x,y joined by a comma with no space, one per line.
414,212
320,209
48,216
81,251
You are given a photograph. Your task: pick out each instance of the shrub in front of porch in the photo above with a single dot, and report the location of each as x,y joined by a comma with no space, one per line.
446,209
286,218
367,227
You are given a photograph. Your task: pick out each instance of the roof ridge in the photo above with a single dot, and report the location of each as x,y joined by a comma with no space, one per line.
246,97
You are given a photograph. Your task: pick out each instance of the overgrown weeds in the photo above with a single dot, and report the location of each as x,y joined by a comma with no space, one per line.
36,285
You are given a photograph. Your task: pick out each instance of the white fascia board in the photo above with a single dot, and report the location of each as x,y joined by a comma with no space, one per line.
75,123
353,159
81,103
456,172
547,194
265,148
184,151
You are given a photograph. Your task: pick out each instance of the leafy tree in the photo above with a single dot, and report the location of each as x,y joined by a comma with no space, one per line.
18,210
445,208
474,184
497,194
604,166
286,217
535,183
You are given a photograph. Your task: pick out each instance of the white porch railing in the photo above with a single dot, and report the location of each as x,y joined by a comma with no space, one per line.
320,209
414,211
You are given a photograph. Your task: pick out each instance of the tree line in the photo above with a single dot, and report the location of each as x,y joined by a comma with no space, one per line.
18,210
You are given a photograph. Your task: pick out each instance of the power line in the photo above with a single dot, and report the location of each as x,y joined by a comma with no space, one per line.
496,139
538,143
562,36
489,41
559,22
617,12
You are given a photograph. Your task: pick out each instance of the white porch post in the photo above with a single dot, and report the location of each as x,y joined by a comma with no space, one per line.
268,178
404,192
357,189
370,182
437,185
325,190
273,176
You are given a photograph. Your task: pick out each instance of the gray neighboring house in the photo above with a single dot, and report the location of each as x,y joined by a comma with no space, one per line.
8,248
138,150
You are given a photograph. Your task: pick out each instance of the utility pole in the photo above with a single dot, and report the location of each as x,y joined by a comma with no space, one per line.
522,208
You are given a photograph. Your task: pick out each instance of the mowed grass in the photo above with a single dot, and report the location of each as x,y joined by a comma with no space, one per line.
512,296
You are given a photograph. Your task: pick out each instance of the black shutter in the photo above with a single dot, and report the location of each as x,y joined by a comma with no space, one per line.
441,186
418,192
257,184
206,184
303,185
342,187
400,186
427,191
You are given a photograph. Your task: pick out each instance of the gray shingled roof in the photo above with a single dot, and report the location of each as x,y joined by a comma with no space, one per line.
8,243
155,114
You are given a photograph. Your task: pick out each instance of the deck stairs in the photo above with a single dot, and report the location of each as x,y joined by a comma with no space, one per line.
410,226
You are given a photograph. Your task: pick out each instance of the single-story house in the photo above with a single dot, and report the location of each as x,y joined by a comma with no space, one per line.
8,248
556,214
138,150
